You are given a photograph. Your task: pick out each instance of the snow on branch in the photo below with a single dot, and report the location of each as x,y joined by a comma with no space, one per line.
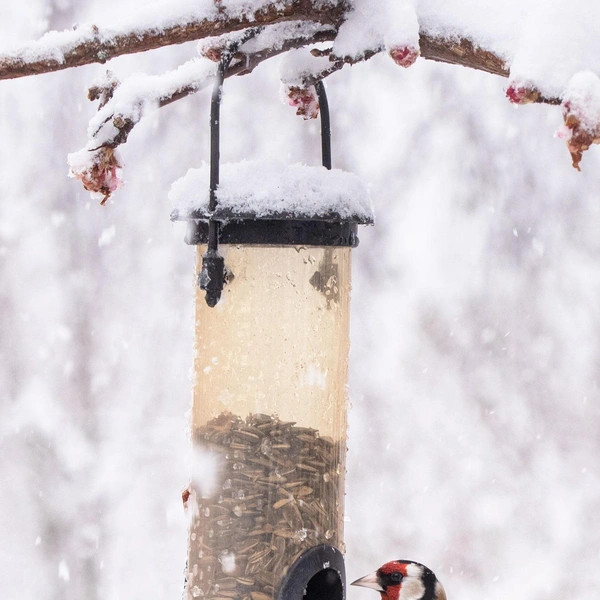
121,107
89,44
391,25
265,43
482,36
359,29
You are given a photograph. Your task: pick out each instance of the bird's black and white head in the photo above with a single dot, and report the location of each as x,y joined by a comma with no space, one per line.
404,580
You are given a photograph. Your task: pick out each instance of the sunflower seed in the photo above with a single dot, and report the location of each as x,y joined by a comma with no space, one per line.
279,495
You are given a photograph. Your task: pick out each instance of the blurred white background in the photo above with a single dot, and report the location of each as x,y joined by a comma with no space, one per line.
474,427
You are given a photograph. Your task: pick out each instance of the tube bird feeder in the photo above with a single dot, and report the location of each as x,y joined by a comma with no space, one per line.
271,363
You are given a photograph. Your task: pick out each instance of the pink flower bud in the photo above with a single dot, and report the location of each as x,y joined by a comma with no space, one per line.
304,100
521,94
405,56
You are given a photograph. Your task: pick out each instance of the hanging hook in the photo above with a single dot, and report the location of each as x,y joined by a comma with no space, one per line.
325,124
212,276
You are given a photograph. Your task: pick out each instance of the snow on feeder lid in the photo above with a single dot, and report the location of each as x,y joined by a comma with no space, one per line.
271,365
270,191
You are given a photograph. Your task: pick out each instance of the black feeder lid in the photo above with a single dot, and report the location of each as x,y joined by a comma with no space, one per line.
277,228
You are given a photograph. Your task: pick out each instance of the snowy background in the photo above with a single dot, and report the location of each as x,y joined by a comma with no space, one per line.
475,419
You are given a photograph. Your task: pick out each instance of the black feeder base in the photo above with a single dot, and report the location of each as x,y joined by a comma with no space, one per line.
319,574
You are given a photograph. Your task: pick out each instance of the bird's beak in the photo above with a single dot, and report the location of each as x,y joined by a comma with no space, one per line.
369,581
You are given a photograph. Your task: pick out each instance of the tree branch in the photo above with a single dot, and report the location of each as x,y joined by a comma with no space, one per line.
457,52
462,52
161,90
86,45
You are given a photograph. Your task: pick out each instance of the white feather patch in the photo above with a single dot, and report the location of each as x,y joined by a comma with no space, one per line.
412,585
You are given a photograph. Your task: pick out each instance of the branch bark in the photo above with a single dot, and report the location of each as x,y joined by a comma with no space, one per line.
462,52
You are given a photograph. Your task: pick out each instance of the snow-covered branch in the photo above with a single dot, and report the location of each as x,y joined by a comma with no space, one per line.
121,107
89,44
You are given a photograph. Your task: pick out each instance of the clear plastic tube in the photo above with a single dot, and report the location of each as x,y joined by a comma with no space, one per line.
269,418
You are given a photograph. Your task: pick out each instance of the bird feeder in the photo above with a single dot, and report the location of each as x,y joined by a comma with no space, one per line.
269,409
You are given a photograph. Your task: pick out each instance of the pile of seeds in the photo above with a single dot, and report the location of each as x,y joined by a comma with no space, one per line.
278,495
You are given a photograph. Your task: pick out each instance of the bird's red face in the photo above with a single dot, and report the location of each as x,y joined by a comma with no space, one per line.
404,580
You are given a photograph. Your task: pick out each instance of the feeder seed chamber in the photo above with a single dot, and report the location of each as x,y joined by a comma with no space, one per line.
270,398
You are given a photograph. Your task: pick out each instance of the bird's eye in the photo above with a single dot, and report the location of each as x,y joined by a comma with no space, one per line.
396,577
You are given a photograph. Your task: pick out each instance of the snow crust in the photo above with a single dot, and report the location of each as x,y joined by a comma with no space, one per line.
53,45
156,15
373,25
275,35
555,41
544,43
106,25
136,97
270,38
582,97
271,189
140,91
300,64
